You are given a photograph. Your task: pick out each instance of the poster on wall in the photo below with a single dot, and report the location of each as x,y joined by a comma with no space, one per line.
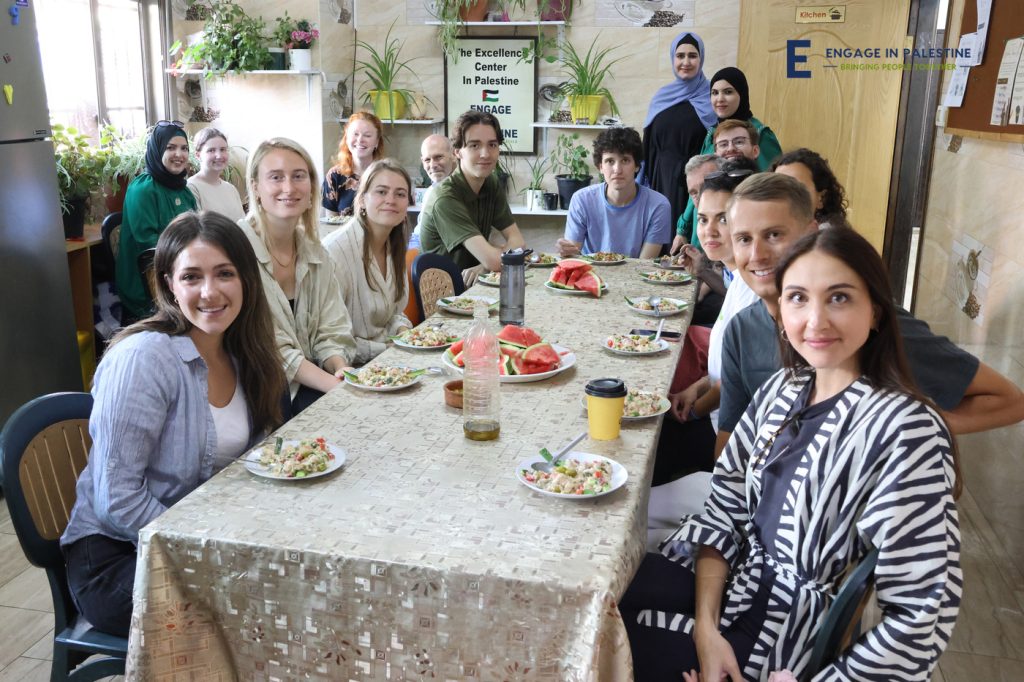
649,13
491,76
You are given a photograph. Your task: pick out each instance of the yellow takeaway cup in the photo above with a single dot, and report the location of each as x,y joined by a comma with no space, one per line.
605,400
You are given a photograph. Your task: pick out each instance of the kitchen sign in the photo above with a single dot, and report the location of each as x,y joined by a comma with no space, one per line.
821,14
491,76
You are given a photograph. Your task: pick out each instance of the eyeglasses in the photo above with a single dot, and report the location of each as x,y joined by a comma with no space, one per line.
164,124
738,173
738,143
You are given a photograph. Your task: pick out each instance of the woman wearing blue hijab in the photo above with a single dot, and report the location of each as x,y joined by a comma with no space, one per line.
677,121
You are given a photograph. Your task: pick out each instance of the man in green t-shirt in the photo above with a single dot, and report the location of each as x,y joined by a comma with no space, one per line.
462,210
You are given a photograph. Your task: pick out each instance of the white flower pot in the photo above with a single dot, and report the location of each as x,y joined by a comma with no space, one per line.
300,60
534,200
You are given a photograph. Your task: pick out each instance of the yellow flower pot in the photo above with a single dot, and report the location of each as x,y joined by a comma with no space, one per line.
387,108
585,106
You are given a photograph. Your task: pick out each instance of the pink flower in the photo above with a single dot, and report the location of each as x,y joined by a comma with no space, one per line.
782,676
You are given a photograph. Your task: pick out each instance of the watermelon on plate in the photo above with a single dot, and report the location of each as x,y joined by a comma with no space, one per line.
456,347
518,336
590,283
572,264
506,365
458,360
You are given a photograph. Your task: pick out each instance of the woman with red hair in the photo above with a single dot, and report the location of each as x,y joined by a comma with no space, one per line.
362,143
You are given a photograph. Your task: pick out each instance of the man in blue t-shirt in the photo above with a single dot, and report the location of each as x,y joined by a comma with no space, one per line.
618,215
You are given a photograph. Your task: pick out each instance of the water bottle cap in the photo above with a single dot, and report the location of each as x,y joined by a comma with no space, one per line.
515,256
606,388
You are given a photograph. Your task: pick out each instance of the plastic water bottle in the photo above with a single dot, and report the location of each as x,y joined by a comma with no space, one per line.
481,389
512,309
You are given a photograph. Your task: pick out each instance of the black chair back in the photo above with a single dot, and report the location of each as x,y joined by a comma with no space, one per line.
434,276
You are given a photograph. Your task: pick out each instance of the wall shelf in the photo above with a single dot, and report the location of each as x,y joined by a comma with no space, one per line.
517,209
206,74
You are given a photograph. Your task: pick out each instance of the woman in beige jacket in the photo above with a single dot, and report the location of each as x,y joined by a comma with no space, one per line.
369,257
311,323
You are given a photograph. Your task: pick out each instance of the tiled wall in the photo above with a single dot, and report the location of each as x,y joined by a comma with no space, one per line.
974,203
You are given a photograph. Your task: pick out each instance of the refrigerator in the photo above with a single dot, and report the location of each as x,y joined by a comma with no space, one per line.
38,346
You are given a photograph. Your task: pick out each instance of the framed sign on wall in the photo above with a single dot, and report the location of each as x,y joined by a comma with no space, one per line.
491,76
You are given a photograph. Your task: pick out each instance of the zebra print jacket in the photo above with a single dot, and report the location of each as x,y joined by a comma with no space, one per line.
879,474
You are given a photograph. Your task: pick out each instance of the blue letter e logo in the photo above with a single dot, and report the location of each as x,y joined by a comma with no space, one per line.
792,59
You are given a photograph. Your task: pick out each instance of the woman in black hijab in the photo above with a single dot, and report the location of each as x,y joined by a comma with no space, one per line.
153,199
730,98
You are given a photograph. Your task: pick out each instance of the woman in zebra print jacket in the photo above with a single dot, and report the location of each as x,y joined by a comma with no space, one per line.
836,454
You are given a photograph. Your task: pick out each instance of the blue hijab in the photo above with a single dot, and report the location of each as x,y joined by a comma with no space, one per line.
697,89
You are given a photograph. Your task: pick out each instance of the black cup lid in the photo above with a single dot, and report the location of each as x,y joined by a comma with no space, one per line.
515,256
606,388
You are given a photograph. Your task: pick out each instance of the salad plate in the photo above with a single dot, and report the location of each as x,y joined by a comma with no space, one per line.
384,379
665,277
603,258
669,263
546,260
668,307
493,279
457,305
568,360
637,401
634,344
405,339
253,465
535,480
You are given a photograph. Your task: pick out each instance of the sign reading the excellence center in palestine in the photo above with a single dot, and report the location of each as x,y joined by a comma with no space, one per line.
491,76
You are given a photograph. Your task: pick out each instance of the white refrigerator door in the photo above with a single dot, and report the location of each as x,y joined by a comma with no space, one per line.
38,346
23,111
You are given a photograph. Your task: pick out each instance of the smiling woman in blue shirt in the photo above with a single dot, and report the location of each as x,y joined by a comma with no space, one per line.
178,397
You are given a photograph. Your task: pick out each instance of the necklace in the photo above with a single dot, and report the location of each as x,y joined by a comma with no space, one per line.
289,262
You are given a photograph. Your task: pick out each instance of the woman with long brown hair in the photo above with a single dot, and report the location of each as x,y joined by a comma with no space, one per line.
177,397
837,454
369,257
362,143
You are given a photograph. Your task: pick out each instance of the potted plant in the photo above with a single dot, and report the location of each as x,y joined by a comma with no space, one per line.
535,189
79,174
382,69
453,14
555,10
231,41
584,81
300,45
571,158
125,158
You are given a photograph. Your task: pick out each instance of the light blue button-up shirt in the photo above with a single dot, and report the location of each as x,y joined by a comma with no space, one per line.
153,436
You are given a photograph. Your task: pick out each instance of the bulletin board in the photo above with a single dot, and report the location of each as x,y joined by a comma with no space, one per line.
972,118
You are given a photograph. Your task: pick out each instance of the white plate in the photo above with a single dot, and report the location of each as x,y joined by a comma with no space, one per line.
658,264
383,389
662,346
491,283
409,346
568,360
619,474
663,407
573,292
590,260
334,220
644,277
252,464
492,303
544,265
658,313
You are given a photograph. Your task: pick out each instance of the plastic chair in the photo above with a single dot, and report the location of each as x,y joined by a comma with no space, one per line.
412,309
43,448
434,276
841,624
110,231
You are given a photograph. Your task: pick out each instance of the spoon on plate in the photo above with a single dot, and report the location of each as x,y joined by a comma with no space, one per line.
655,302
549,465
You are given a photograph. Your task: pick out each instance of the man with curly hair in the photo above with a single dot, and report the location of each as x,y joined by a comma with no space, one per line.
617,215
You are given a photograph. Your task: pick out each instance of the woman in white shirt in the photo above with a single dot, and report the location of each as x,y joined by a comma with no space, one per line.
314,335
369,257
213,193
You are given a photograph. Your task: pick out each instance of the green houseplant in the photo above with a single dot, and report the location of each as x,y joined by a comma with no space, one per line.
534,191
452,14
125,158
571,158
79,174
232,41
584,84
383,69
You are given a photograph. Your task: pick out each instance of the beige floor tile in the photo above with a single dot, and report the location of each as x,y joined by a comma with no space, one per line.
19,630
989,624
6,527
12,559
28,590
43,649
957,667
937,675
26,670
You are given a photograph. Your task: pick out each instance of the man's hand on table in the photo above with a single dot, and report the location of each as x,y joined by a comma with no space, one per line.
567,248
469,275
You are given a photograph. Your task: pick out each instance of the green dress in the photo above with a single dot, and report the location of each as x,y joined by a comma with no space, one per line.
770,150
148,208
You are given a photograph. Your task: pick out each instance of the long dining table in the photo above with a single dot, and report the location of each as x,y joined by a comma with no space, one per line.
423,557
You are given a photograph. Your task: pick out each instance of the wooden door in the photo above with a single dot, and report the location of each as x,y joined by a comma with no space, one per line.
848,116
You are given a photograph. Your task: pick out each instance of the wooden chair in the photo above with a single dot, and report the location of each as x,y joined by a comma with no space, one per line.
144,262
43,448
433,277
842,621
110,231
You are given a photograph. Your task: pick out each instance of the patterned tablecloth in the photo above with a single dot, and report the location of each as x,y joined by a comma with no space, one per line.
423,557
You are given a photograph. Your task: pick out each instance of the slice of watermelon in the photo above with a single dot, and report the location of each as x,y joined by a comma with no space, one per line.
509,350
506,365
573,263
456,347
541,353
518,336
457,359
575,275
590,283
559,276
